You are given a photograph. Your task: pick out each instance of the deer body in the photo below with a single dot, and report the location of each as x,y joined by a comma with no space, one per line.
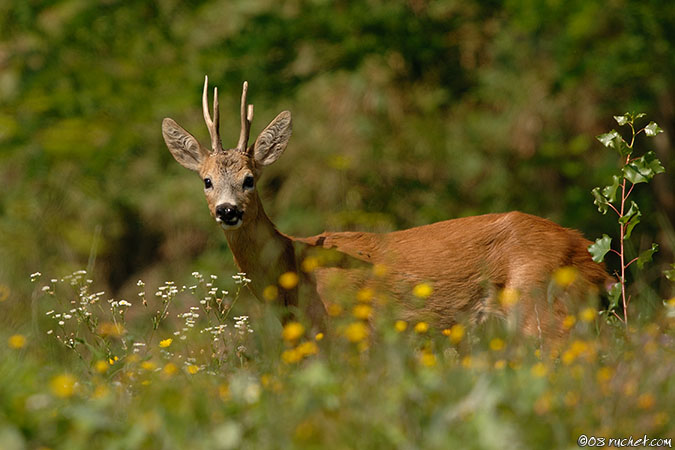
466,261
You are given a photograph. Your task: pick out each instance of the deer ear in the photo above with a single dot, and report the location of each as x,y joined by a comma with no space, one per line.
273,140
183,146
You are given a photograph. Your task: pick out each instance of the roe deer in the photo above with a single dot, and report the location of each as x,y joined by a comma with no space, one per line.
467,262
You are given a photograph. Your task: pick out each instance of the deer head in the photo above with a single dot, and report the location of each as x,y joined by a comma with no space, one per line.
229,176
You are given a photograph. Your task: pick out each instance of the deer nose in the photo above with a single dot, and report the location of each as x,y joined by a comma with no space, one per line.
228,213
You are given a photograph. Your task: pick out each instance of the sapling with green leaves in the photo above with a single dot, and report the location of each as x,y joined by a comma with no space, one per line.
634,170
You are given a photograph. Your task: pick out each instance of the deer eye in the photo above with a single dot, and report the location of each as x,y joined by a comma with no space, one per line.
207,183
248,182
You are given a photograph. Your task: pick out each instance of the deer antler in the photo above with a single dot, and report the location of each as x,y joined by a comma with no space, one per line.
212,125
246,119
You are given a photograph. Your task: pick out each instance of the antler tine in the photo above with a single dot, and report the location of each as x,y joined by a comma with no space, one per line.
212,124
246,119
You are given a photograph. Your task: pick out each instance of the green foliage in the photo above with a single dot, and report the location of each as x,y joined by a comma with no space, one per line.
634,170
203,380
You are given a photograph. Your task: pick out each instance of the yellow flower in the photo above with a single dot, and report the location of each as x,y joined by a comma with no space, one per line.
16,341
100,391
291,356
363,312
380,270
111,329
508,297
646,401
101,366
565,276
148,365
318,336
224,392
500,364
365,294
571,399
421,327
423,290
307,348
604,374
310,264
270,293
169,369
112,360
356,332
334,310
292,331
63,385
466,361
427,358
497,344
539,370
288,280
165,343
568,357
4,292
400,326
568,322
457,332
192,369
588,314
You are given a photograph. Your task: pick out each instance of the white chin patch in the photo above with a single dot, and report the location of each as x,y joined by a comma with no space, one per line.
226,227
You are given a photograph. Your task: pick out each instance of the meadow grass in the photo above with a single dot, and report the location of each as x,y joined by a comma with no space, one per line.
173,368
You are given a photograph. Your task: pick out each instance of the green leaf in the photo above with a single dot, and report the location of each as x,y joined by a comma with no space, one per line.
652,129
613,295
670,273
638,116
609,192
599,249
607,138
630,219
646,256
600,201
643,169
622,120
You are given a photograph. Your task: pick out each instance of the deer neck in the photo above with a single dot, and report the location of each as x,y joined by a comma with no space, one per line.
262,252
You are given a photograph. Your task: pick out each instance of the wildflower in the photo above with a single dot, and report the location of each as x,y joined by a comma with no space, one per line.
400,326
100,391
292,331
334,310
568,357
35,276
148,365
112,360
110,329
63,385
318,336
646,401
291,356
604,374
427,358
539,370
568,322
4,292
380,270
165,342
101,366
307,348
466,362
588,314
310,264
288,280
497,344
356,332
423,290
421,327
500,364
192,369
16,341
571,399
457,332
363,312
169,369
270,293
565,276
124,303
508,297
